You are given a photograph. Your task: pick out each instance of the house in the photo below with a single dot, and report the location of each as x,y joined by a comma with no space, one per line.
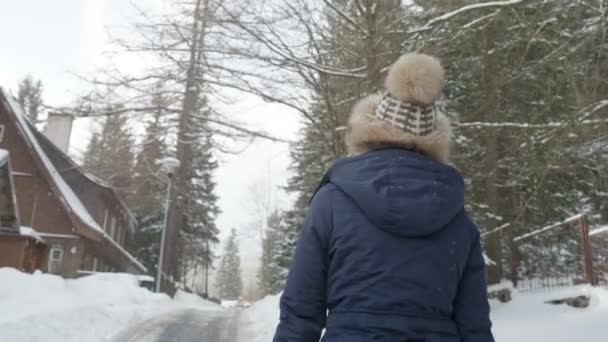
20,247
84,223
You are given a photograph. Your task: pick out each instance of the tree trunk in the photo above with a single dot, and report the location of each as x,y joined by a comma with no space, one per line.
489,107
184,147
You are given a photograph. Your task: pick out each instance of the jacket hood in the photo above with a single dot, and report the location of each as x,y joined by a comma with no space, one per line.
400,191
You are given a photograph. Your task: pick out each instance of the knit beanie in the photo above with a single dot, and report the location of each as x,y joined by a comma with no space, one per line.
412,85
406,114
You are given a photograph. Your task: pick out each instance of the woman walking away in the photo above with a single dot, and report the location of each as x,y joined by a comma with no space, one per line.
387,252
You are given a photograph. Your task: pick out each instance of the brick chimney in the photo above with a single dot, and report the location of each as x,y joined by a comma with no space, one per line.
59,129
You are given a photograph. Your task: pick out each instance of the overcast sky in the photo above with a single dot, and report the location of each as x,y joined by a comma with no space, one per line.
53,40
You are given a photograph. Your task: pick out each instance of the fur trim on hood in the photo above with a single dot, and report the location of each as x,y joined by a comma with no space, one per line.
413,78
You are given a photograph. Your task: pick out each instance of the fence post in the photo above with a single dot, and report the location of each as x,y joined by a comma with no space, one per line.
587,253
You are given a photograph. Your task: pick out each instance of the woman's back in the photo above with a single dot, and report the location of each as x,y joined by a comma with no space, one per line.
387,252
398,246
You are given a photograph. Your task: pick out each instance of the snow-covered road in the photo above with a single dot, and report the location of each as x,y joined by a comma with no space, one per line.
185,326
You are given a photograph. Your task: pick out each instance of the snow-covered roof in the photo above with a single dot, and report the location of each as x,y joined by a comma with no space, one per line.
28,231
125,253
68,196
50,147
107,185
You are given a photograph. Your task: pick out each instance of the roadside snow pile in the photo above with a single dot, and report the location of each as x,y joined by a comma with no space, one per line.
260,320
43,307
192,300
527,318
230,303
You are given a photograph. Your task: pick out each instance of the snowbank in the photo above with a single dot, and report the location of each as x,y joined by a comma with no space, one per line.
43,307
230,303
527,318
192,300
260,320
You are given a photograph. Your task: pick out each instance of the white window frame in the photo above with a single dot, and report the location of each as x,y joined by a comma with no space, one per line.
53,260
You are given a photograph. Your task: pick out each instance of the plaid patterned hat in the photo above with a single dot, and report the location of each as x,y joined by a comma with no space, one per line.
416,119
413,84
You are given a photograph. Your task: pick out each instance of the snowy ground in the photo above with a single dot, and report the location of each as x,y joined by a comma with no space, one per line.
528,319
42,307
525,319
112,308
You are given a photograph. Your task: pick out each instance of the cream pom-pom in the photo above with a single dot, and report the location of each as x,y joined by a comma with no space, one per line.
415,78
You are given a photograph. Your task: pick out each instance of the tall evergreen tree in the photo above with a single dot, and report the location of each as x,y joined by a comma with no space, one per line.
229,281
145,246
110,154
270,273
289,226
29,96
149,190
200,233
147,186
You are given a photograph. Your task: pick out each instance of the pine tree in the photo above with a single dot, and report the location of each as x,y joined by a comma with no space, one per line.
29,96
200,233
270,273
147,186
229,281
145,246
149,190
347,47
110,155
291,220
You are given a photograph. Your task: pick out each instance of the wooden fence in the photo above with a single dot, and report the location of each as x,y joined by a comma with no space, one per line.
562,254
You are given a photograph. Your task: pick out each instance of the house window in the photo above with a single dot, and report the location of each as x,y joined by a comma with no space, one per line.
105,221
113,228
118,231
55,258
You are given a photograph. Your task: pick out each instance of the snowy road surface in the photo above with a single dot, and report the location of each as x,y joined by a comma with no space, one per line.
184,326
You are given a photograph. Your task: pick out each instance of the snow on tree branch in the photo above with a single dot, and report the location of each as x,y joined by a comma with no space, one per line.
447,16
524,125
581,119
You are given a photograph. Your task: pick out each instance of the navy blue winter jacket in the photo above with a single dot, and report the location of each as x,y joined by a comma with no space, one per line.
387,253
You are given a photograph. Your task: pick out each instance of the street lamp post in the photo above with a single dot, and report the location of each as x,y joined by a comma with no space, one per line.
169,165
